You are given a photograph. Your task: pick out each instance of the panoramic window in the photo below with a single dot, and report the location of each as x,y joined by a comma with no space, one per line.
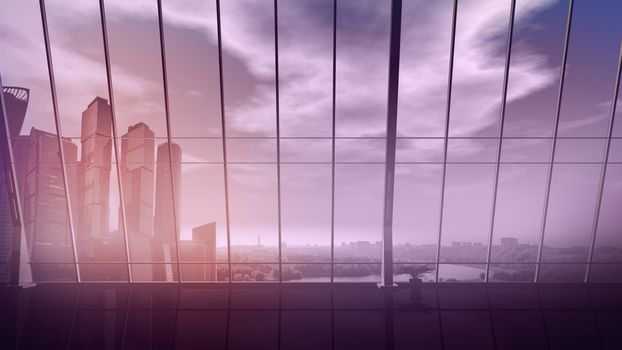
242,141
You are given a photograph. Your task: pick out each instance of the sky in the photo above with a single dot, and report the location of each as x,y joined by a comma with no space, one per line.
305,100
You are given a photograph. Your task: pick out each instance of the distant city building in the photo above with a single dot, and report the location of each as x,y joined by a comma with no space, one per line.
199,254
137,148
40,183
136,168
94,170
509,242
167,208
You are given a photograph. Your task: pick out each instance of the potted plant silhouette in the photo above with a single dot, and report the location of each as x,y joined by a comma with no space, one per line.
416,273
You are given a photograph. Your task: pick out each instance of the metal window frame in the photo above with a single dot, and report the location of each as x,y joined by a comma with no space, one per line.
603,175
504,96
452,51
560,94
123,217
391,137
221,84
57,124
168,131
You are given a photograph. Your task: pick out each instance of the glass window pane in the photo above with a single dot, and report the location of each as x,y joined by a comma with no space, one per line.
461,273
359,199
305,67
199,150
85,114
416,212
306,212
537,44
362,67
419,150
306,150
203,228
251,150
481,30
526,150
248,67
568,150
518,216
585,111
253,213
570,213
466,218
360,150
608,245
469,151
192,65
424,67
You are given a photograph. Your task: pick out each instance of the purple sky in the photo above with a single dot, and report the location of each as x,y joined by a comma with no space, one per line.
305,63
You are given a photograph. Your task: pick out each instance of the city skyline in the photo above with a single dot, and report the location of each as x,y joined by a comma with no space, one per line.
321,181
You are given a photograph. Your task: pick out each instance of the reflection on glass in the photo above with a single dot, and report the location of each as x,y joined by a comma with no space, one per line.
606,273
461,273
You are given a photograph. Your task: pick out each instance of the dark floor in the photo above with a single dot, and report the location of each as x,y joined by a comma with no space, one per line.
305,316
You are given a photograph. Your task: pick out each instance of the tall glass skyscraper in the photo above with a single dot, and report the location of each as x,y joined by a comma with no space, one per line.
95,166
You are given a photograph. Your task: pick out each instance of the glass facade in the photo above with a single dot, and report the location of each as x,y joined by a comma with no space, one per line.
246,141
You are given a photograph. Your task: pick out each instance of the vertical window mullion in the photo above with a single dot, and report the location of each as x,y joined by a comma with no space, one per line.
168,133
50,66
102,12
601,183
452,49
504,96
332,163
278,136
224,138
389,180
547,194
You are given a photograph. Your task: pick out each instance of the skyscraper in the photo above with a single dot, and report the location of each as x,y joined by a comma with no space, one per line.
13,110
167,207
166,224
16,103
40,182
137,148
199,254
95,165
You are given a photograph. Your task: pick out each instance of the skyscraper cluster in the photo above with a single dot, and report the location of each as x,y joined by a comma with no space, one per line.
148,215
